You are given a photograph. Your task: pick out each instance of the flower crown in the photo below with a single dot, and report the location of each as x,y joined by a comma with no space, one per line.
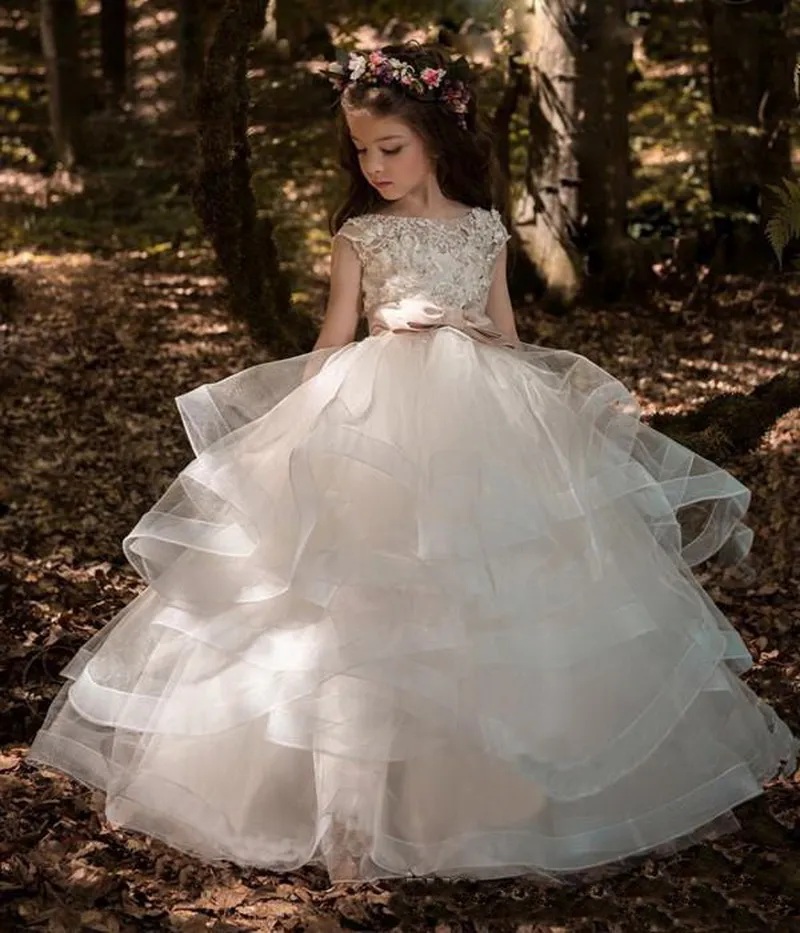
436,84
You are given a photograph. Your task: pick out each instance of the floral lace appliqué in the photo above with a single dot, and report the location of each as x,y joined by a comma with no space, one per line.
446,264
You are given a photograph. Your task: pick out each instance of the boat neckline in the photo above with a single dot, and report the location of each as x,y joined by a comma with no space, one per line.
443,220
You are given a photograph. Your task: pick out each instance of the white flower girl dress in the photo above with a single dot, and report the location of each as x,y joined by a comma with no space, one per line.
427,611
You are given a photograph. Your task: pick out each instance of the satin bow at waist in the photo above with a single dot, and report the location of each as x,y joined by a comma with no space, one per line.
414,314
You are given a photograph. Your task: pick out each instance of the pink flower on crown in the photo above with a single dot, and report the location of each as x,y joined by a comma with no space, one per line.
433,76
378,68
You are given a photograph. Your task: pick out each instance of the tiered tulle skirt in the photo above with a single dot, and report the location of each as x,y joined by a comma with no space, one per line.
423,605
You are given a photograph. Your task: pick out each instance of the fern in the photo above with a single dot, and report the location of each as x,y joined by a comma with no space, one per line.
785,222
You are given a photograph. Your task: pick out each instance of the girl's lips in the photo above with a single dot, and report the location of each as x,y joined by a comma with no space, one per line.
382,184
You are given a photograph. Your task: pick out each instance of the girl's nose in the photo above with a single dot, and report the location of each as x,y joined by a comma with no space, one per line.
373,165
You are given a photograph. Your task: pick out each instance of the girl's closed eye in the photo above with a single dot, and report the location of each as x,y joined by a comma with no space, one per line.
384,151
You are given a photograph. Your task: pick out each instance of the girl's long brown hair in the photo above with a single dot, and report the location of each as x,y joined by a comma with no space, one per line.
467,169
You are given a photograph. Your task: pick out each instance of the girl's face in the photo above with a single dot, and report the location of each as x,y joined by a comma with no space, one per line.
392,156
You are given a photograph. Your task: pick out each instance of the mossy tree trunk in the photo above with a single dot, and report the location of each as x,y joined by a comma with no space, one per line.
750,65
243,242
729,425
60,46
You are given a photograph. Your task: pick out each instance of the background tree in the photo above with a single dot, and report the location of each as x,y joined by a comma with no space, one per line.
750,63
603,146
547,216
242,241
572,216
60,45
191,51
114,47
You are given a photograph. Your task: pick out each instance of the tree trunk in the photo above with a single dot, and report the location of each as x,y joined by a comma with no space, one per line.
573,219
59,32
603,146
114,47
750,65
191,49
244,245
517,85
549,224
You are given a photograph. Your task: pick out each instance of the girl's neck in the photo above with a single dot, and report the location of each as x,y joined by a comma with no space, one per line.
438,210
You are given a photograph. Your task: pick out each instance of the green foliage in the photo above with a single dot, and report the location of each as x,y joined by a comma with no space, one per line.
101,216
785,221
670,125
784,224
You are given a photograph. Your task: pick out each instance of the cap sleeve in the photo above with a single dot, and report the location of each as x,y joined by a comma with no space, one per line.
358,232
497,235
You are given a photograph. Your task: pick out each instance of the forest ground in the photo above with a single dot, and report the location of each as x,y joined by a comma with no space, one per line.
100,335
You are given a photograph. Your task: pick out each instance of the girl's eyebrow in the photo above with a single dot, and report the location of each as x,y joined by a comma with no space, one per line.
381,139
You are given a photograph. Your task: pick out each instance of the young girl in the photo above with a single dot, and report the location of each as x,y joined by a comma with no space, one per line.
422,603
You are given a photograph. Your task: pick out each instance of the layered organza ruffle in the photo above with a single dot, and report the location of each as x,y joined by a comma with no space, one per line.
428,611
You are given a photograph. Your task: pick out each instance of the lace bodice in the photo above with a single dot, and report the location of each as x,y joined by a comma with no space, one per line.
420,272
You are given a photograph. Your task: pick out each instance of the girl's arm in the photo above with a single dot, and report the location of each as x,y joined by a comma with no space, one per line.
498,305
344,298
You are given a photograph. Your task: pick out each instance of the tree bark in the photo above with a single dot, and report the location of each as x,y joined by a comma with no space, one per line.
114,47
572,222
603,146
59,33
243,242
552,176
750,65
517,86
191,51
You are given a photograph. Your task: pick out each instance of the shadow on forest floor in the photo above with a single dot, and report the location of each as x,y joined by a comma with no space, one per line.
99,341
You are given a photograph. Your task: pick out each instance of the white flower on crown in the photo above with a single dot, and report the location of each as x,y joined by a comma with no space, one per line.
357,66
